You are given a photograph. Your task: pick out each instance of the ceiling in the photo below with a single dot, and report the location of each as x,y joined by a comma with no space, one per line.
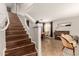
49,11
52,11
10,5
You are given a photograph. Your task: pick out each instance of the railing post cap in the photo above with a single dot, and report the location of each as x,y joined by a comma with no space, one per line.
37,25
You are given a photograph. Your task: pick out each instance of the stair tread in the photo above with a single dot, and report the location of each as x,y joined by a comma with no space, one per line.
16,35
15,28
15,25
21,46
14,44
30,54
16,32
16,40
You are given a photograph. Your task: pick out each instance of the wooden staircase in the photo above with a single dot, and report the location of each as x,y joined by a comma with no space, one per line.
18,42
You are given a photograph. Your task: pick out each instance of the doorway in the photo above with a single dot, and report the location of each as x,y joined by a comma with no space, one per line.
47,29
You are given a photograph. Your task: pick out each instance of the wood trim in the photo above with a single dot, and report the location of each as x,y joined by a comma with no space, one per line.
51,30
43,27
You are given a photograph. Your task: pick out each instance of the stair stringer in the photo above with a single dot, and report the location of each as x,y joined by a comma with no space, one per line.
22,19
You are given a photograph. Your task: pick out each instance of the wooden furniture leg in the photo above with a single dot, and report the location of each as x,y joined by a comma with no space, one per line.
73,51
63,47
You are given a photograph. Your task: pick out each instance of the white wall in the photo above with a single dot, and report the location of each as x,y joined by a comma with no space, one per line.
13,9
24,7
74,28
3,13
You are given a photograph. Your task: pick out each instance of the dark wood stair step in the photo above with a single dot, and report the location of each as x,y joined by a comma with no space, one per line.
14,19
15,28
18,42
14,44
8,40
22,50
16,37
31,54
11,32
15,24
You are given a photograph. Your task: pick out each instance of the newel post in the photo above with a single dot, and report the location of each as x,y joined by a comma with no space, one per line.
37,37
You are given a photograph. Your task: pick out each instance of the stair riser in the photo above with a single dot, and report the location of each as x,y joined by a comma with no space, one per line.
18,43
14,20
21,51
14,24
15,32
15,28
35,54
10,38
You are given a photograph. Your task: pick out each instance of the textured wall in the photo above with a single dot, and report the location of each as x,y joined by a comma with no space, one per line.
3,13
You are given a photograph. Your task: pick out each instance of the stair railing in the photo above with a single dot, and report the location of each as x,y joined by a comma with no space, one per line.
3,28
8,22
34,30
